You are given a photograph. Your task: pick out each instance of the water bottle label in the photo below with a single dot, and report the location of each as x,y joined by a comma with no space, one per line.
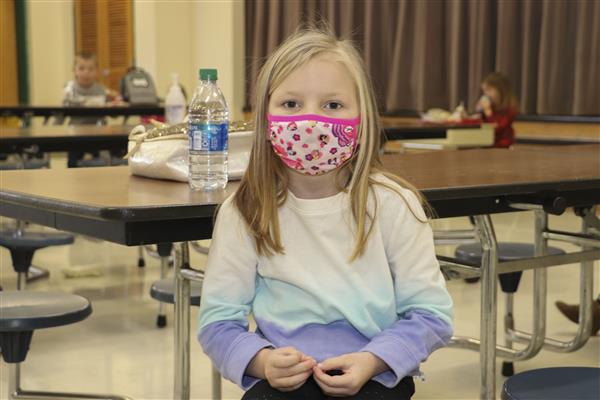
208,137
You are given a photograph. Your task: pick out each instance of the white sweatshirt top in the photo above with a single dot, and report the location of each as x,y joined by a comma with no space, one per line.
392,301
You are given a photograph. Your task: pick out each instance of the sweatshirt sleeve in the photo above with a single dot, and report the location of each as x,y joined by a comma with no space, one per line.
227,294
423,304
503,119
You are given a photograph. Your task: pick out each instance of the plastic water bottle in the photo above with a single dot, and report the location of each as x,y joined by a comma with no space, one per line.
70,97
174,102
208,130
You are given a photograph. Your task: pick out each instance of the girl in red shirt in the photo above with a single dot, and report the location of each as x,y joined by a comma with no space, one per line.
498,105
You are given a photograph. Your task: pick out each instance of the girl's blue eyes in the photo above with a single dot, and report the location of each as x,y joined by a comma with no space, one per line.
332,105
289,104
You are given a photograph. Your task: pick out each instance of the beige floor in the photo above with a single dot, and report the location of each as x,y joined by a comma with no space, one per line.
118,349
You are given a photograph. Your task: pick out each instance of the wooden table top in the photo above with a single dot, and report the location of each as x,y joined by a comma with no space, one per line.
500,171
107,192
111,204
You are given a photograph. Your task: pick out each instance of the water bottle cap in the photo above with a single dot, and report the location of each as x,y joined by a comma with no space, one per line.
208,74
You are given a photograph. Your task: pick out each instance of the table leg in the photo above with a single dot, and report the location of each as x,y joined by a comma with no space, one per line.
181,389
216,384
489,261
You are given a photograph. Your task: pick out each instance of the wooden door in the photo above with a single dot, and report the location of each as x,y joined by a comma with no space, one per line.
105,27
9,79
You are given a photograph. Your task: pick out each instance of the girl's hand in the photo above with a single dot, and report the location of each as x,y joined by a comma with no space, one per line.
485,104
356,368
287,369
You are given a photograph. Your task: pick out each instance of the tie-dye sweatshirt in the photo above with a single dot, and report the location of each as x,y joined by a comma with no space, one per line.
392,301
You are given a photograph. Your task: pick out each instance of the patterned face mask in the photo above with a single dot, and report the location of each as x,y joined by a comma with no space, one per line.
313,144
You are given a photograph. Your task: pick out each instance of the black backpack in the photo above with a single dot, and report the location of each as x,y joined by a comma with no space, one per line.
137,87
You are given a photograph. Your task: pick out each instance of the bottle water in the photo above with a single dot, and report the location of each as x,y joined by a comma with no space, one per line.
174,103
69,98
208,130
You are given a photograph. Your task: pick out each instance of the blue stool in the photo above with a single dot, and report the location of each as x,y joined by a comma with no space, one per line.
33,163
23,245
508,251
562,383
92,162
164,291
22,313
509,282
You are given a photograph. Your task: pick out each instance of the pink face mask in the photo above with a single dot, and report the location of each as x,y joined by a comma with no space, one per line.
312,144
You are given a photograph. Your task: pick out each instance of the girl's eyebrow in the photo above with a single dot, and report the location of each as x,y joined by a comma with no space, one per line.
290,94
295,94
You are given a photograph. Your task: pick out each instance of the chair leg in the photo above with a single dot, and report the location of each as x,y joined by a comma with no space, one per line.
21,280
141,261
15,392
216,384
161,320
164,251
508,367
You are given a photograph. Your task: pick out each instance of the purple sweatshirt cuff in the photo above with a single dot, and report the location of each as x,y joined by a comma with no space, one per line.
231,348
240,353
406,344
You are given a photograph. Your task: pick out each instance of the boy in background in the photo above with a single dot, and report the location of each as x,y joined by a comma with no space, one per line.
84,90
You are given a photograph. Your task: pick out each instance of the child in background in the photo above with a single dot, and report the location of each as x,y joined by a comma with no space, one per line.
84,90
498,105
333,256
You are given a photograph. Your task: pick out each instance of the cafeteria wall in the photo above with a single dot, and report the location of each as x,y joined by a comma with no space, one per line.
184,36
168,37
51,45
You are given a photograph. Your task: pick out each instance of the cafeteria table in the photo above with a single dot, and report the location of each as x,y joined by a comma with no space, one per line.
25,111
108,203
418,129
58,138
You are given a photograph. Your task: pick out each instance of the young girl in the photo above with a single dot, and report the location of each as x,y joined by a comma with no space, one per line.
333,257
498,105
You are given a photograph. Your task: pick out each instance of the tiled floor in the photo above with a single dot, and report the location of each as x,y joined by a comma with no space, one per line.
118,349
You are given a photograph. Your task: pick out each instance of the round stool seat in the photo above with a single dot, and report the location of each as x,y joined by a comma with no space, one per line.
507,251
563,383
35,163
34,240
164,291
28,311
92,162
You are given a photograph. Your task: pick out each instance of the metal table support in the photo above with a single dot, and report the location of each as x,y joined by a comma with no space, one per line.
490,267
183,275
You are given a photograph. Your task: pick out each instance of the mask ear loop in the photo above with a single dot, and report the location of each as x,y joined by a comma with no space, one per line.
348,163
357,141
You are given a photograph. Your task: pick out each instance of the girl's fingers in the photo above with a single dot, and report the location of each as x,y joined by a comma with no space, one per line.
299,368
291,382
327,389
337,381
341,362
286,359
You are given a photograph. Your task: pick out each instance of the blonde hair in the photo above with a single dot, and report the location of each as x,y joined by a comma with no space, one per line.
87,56
264,186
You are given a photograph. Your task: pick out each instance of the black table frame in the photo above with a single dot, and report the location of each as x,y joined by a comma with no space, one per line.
57,111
